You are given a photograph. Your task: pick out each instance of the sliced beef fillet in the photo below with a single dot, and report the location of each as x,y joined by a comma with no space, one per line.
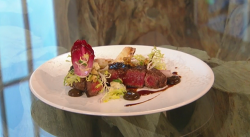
92,89
88,87
134,77
131,76
137,76
155,79
117,70
80,85
116,73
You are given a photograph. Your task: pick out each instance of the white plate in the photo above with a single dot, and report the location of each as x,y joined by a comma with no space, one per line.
46,83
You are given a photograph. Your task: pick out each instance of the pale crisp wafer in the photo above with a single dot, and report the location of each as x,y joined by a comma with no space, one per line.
126,52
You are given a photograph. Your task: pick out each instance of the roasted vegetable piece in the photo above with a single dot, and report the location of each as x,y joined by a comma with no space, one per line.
82,58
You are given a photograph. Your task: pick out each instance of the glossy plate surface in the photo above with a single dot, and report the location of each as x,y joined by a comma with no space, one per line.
46,83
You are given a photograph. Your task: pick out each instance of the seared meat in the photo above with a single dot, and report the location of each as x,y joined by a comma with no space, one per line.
137,76
88,87
117,70
155,79
134,76
131,76
80,85
92,89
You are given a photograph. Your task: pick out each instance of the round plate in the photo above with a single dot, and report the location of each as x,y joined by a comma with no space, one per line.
46,83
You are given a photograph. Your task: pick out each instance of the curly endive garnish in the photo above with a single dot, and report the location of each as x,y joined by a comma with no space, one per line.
70,78
93,77
116,91
156,60
105,86
69,56
141,59
104,80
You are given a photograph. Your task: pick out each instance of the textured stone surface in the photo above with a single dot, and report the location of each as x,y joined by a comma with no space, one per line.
144,126
195,52
218,27
59,122
233,77
231,115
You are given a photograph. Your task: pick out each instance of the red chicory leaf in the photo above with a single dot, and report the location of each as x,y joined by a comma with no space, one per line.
82,57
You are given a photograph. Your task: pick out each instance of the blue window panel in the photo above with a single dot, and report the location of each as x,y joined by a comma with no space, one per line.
44,133
12,42
42,28
17,106
10,11
13,54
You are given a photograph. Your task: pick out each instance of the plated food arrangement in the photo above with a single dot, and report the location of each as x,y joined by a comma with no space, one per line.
122,77
120,80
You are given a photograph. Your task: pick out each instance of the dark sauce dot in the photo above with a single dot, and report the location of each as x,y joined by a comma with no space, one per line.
130,95
75,92
173,80
175,73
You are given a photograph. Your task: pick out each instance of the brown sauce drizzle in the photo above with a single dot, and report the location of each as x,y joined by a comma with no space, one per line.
127,105
75,92
173,80
147,92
